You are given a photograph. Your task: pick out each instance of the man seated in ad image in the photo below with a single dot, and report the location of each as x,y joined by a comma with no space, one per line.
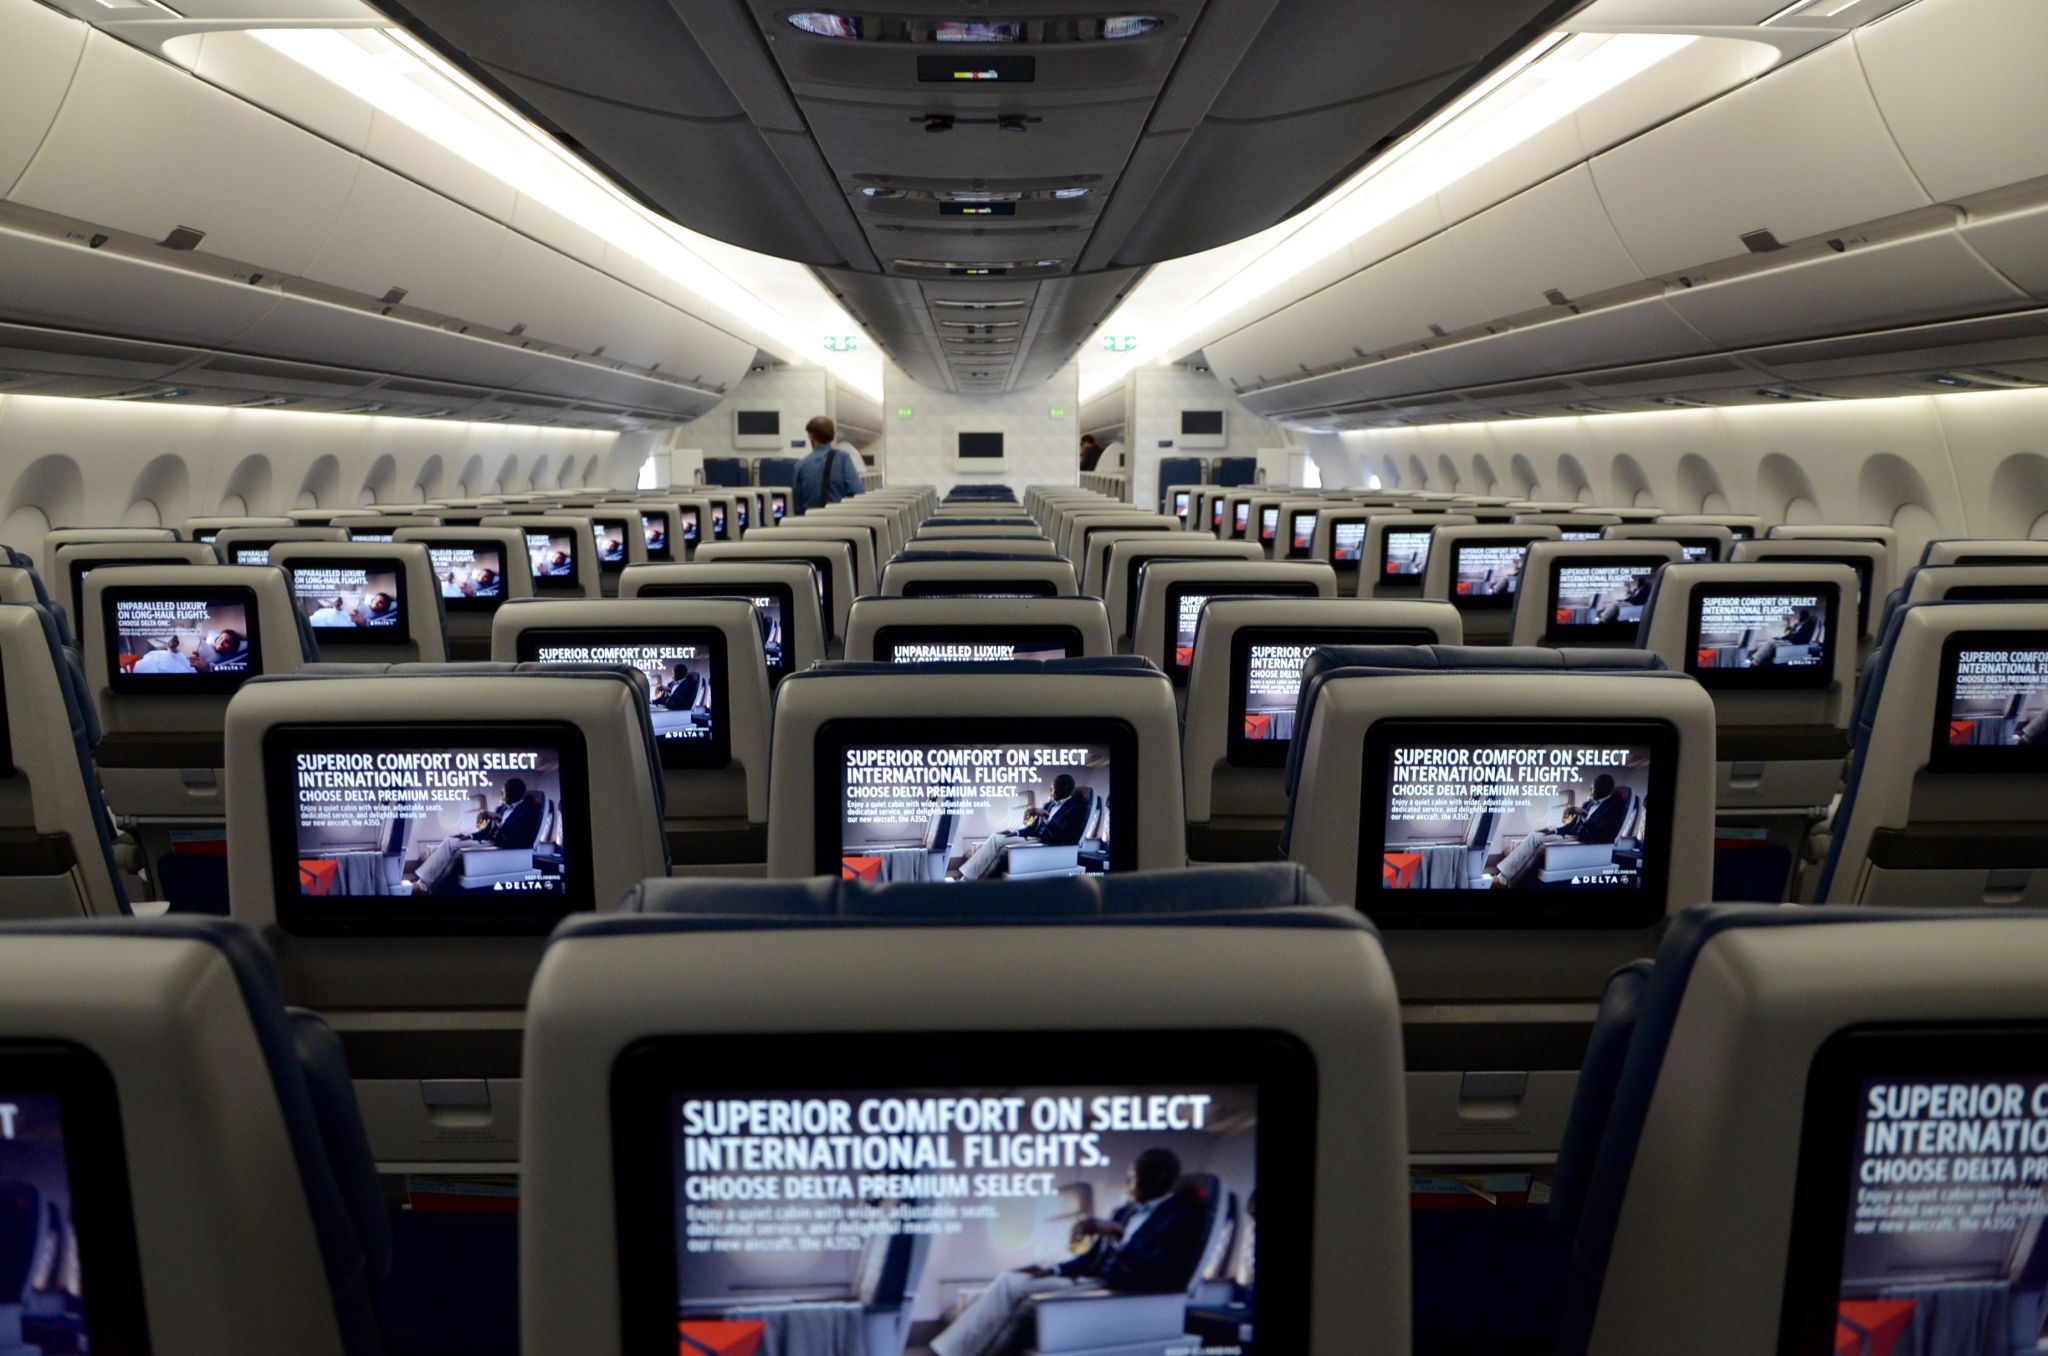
1059,823
1599,820
1151,1244
1801,628
514,824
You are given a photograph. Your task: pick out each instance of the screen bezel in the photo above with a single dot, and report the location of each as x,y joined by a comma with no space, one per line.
1525,909
1992,593
1179,589
1808,1312
939,633
1946,758
1486,602
715,752
1764,680
783,594
1243,752
170,684
649,1074
1348,520
1134,574
102,1204
520,914
458,543
834,737
399,634
1611,633
1398,581
2003,562
569,583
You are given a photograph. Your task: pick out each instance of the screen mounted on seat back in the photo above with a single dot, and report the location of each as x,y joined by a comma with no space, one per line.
1487,572
685,671
164,640
1265,681
470,574
1523,824
894,1181
1991,703
352,602
949,800
1599,600
1740,636
1184,603
773,609
915,644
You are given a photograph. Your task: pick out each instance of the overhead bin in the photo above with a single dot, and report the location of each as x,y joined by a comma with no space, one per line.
1801,152
394,234
264,192
1960,85
48,281
36,64
1555,238
2015,243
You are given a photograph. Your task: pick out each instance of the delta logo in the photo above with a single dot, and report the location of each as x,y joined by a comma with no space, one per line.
1258,727
1960,732
1703,658
1564,616
1183,655
722,1337
1398,870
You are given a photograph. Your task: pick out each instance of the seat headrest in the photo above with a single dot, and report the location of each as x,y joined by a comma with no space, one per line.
1098,665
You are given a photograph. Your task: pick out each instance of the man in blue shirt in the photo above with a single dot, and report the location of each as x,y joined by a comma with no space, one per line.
828,475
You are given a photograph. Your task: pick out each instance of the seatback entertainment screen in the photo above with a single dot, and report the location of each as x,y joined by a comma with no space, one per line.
954,800
976,644
1991,708
1599,602
980,588
611,543
1485,574
1240,516
1079,1167
1269,524
1301,535
685,672
1347,541
772,608
1404,554
1515,824
1741,636
1184,603
654,533
169,640
1265,681
447,828
355,602
551,555
471,578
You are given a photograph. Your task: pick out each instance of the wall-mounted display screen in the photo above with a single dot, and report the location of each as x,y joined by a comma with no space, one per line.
551,554
441,829
913,644
758,423
1082,1175
165,641
1201,423
1599,601
360,602
953,800
985,446
1265,681
1992,703
685,672
1521,824
1742,636
470,576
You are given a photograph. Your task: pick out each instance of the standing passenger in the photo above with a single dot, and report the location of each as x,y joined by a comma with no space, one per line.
828,475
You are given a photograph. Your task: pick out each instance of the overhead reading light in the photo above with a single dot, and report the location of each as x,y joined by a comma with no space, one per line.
824,24
1128,26
1064,194
774,303
1949,379
1537,89
872,192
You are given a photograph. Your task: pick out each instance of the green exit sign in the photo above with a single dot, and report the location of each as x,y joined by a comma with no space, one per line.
903,411
841,343
1120,343
1056,412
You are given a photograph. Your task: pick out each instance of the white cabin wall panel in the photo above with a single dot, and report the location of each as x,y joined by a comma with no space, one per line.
1039,450
37,59
264,192
1960,84
393,233
1555,235
1158,393
796,394
1899,282
1802,151
1998,443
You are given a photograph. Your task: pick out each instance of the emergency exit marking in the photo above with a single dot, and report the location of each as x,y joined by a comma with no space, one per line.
903,411
1056,412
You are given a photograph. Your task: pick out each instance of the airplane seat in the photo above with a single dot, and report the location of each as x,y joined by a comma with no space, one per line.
633,1013
727,471
1501,955
56,836
58,538
859,538
1968,583
777,471
2024,551
1769,1072
923,547
19,583
714,751
476,570
425,979
977,574
166,1101
1243,685
951,630
1867,557
1123,565
1940,804
1885,538
1183,472
1586,593
1393,556
1479,570
161,758
784,593
561,553
1230,472
865,756
76,560
410,627
832,557
1174,593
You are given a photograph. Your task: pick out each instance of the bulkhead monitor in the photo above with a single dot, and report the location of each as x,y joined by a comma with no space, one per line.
1744,637
1599,599
981,588
166,640
353,602
773,603
757,423
1201,423
951,800
1404,554
1265,681
611,543
1083,1174
926,644
1519,824
1486,573
551,556
685,671
1184,603
1991,707
654,534
1919,1209
980,446
1347,541
470,574
1301,535
448,829
66,1207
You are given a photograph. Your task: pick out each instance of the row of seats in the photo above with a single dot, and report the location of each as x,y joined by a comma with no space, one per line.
178,1123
